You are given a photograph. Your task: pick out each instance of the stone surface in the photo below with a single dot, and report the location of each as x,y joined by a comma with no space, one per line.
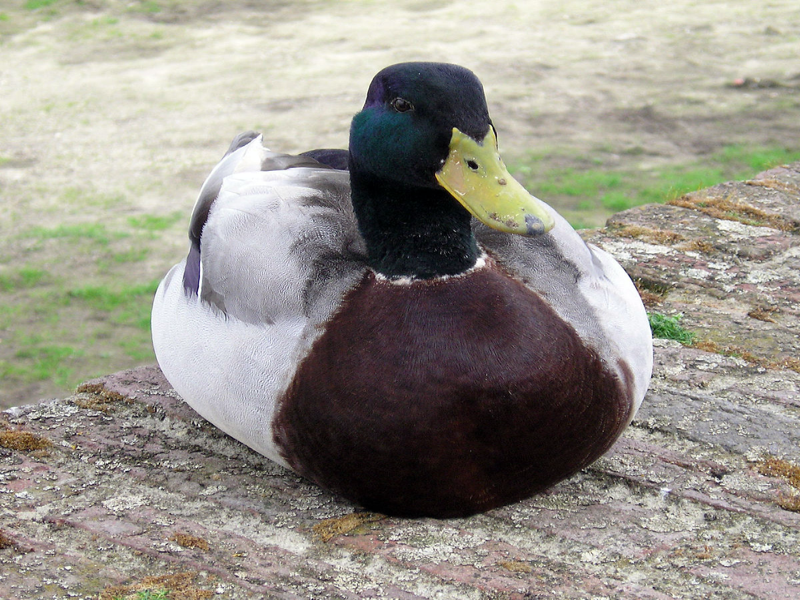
103,492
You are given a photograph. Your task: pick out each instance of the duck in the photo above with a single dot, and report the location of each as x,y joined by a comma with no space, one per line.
402,322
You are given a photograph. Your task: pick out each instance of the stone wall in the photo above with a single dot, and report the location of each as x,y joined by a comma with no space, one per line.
122,488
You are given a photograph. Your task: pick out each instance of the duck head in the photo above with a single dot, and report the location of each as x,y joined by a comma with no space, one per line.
424,147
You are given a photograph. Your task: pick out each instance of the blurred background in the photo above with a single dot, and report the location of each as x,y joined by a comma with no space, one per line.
112,113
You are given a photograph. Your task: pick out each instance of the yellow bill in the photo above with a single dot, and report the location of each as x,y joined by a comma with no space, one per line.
475,175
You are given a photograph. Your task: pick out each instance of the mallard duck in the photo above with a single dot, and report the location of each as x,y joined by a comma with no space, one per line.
401,322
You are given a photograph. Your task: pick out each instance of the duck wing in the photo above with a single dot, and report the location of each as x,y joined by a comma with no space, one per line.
274,249
274,231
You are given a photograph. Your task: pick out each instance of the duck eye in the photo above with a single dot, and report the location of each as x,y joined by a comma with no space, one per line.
401,105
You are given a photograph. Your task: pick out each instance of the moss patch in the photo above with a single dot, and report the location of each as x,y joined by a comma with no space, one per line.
698,246
774,184
329,528
791,503
777,467
23,441
515,566
180,586
791,363
186,540
772,466
647,234
763,313
730,210
6,541
649,299
99,398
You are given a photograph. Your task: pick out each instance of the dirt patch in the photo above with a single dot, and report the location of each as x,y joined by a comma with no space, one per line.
113,112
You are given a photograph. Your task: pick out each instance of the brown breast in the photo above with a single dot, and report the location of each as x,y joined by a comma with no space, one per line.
447,398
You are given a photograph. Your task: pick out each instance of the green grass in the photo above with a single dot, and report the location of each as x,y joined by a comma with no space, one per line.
573,182
668,328
61,328
135,350
152,595
57,330
66,335
9,314
155,222
104,298
147,7
131,255
23,278
602,189
148,595
102,241
103,21
36,4
47,362
123,304
756,159
97,232
81,197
